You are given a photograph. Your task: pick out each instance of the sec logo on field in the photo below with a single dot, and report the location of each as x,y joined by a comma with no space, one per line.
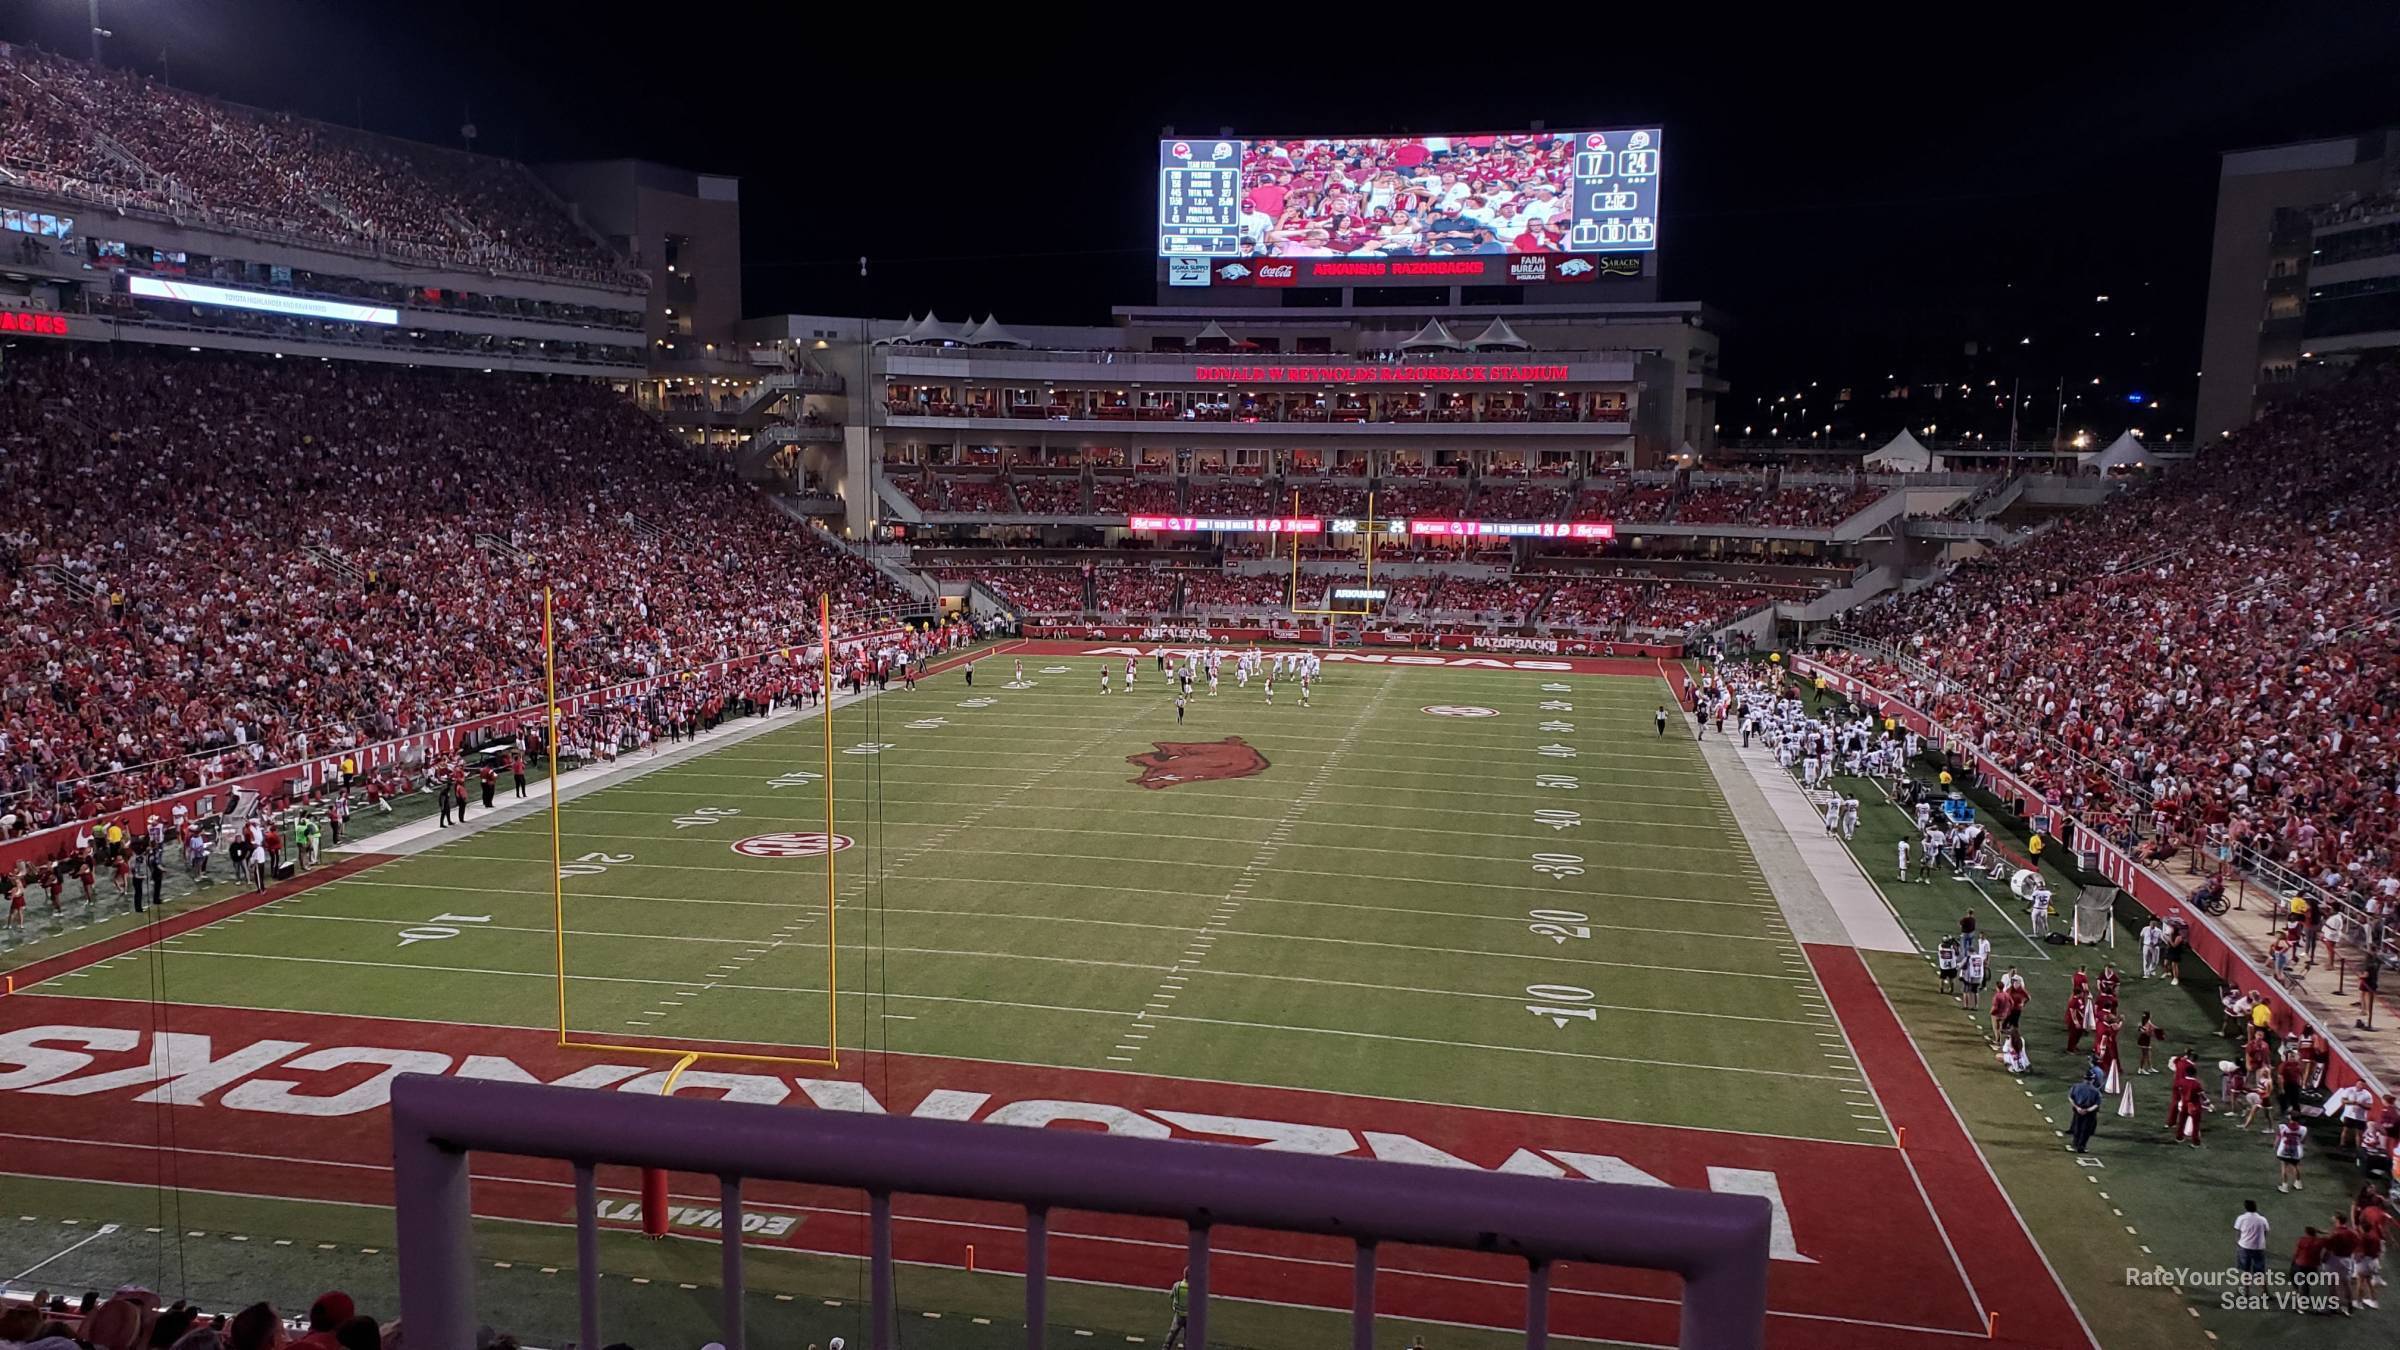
1460,710
804,844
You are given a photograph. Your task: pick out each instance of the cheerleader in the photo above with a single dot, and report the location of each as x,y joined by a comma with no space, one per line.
2013,1053
2078,1009
2145,1038
2195,1105
2179,1093
2258,1059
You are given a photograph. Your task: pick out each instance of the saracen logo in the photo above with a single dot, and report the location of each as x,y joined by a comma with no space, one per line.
1196,762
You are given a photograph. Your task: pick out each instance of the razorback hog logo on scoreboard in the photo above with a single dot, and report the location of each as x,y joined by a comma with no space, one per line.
1196,762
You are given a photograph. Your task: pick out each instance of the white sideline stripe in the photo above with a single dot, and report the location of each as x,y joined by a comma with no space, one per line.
1157,1014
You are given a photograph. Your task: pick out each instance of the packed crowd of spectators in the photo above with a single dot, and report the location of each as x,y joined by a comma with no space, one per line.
1412,498
1519,499
1234,497
1033,588
215,565
70,124
984,496
1783,507
1501,600
1138,591
1122,495
2211,655
1204,592
1050,494
1621,604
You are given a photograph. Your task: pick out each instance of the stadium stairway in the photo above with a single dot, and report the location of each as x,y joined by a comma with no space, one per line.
897,504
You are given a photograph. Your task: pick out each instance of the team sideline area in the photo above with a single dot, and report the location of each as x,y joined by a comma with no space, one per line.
1068,907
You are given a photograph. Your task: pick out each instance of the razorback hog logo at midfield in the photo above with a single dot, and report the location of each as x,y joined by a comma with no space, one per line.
1197,762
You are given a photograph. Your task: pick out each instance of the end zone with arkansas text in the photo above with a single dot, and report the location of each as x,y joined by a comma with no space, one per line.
1861,1258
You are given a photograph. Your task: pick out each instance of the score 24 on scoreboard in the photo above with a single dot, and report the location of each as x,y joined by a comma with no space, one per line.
1523,194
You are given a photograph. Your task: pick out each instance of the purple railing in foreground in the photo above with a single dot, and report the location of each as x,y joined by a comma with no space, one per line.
1717,1243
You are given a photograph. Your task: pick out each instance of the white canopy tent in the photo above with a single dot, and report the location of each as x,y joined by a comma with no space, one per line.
1903,454
1214,332
931,330
2122,453
1498,337
1433,337
899,336
989,333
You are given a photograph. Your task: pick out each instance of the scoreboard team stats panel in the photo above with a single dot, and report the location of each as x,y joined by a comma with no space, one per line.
1427,197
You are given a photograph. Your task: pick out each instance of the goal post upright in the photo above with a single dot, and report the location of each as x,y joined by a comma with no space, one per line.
1366,608
833,984
686,1055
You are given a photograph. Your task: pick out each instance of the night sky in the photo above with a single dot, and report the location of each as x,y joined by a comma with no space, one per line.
1863,198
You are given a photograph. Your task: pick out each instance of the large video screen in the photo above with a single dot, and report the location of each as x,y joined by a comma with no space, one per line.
1536,192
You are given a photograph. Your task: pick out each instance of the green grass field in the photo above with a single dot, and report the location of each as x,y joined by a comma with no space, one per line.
1013,898
1488,918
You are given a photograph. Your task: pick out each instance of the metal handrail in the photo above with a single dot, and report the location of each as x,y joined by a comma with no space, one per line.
1717,1243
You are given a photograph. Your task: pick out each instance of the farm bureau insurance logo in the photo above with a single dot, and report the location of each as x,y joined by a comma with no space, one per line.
1459,710
1196,762
799,844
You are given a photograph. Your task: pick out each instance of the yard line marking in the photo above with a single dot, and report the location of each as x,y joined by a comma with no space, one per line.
1501,997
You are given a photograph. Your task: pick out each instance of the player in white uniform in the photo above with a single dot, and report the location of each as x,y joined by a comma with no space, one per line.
1130,666
1212,679
1833,814
1904,860
2041,911
1269,681
1849,818
1104,677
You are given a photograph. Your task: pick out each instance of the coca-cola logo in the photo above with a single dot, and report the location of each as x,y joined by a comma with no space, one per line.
1278,273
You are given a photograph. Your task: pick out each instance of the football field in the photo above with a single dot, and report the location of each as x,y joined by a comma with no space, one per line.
1469,914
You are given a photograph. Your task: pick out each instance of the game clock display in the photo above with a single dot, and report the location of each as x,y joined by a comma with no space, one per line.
1524,193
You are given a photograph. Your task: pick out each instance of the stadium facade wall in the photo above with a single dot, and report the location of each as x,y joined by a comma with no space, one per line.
1310,633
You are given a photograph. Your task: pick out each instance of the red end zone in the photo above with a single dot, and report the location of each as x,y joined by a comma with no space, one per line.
281,1104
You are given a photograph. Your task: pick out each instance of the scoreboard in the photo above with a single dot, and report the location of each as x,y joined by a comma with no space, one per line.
1199,198
1464,203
